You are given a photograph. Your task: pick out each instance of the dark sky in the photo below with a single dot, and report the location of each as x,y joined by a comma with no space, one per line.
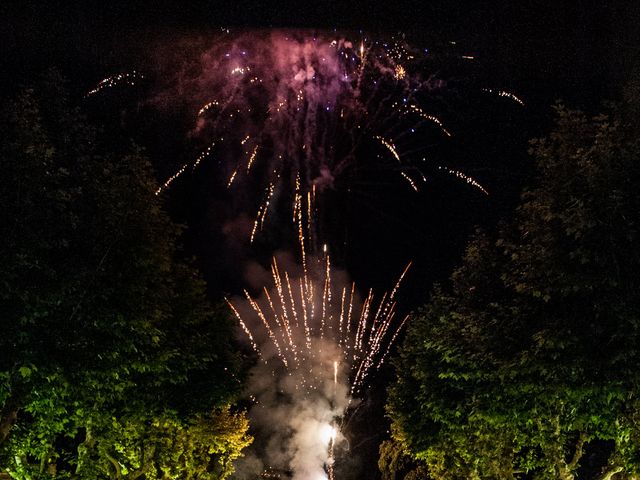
566,43
580,51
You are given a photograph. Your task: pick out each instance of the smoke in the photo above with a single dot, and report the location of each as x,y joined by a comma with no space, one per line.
316,343
297,408
295,420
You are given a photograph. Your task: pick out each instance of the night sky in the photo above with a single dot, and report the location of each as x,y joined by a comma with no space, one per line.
580,52
544,48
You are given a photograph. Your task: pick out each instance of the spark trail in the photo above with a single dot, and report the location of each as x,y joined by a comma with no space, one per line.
504,93
119,79
299,316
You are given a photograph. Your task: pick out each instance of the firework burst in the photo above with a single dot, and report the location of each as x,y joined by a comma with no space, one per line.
299,316
301,111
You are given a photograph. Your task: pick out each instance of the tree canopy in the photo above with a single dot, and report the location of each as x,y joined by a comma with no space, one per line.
112,362
526,366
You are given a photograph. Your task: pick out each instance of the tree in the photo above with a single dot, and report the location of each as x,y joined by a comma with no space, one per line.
109,348
164,447
395,463
527,367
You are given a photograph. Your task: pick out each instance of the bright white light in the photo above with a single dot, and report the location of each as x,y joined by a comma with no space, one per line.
328,433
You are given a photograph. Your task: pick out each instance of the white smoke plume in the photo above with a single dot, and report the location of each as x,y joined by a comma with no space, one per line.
297,409
316,342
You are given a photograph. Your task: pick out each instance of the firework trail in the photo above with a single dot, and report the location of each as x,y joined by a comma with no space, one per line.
464,177
504,93
297,316
121,79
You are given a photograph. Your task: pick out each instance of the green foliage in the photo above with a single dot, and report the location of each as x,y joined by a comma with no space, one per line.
395,463
530,361
164,447
108,348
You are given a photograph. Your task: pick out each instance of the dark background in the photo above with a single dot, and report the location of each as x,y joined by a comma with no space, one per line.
582,52
579,50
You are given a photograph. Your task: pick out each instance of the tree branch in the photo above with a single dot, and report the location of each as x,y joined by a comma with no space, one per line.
609,473
577,454
7,422
116,465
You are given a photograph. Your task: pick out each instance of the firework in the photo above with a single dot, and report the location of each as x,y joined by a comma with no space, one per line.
470,180
310,326
299,109
120,79
503,93
390,147
302,314
416,109
290,106
177,174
